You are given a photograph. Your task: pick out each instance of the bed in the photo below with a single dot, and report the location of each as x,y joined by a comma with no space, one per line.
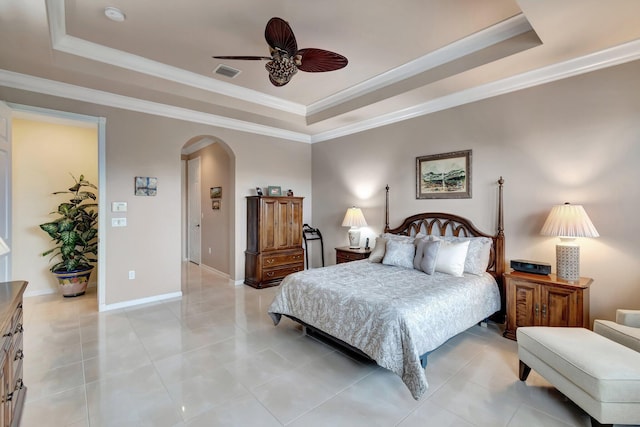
392,313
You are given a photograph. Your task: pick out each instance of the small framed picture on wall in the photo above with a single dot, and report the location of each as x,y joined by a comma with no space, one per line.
216,192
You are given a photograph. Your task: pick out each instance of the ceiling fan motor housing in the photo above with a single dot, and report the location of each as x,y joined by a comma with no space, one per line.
281,69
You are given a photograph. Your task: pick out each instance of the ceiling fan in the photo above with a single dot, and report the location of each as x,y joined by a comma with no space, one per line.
286,59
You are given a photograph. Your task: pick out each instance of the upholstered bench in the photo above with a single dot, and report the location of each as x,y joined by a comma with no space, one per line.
597,374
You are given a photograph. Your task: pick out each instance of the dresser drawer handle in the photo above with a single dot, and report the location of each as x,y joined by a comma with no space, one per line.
269,261
270,274
19,329
19,355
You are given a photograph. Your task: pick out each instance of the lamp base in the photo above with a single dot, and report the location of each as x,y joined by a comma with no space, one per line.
568,262
354,239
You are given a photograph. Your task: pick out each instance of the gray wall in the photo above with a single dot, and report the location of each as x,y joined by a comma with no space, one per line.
575,140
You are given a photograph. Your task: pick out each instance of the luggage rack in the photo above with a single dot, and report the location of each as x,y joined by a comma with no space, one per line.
310,234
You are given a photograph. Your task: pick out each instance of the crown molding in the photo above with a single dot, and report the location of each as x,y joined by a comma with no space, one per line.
500,32
595,61
610,57
63,42
93,96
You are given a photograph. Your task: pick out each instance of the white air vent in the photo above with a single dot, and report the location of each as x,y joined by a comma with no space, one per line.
226,71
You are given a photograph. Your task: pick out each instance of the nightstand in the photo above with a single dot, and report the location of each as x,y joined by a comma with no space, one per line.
347,254
545,300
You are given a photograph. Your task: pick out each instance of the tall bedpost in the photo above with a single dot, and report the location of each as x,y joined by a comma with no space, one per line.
386,210
500,251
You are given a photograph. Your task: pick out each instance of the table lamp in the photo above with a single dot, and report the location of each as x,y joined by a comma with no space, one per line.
354,219
568,222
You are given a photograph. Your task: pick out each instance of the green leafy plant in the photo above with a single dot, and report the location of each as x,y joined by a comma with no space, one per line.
75,231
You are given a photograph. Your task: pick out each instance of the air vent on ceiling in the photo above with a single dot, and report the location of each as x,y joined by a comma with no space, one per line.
226,71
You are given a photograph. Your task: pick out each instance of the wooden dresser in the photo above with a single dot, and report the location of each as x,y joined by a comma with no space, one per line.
541,300
274,240
13,390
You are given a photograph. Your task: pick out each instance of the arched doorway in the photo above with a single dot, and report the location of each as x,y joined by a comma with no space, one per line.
208,222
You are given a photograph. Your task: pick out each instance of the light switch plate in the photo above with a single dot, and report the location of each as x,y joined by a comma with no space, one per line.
118,206
118,222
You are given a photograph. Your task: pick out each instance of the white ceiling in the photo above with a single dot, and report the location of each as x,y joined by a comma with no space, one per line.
406,58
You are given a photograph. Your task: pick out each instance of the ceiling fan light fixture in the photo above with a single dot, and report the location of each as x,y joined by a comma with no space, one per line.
281,69
286,59
114,14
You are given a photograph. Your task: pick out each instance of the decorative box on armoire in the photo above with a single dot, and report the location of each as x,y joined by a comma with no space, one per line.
274,240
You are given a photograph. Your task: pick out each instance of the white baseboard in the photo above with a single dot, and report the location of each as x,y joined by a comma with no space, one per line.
132,303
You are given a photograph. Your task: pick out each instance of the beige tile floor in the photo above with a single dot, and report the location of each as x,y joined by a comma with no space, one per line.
214,358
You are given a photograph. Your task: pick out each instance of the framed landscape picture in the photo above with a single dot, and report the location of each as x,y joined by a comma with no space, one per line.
216,192
444,176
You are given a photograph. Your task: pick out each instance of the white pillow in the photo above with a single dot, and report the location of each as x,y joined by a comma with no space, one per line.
478,255
399,253
378,250
451,257
431,249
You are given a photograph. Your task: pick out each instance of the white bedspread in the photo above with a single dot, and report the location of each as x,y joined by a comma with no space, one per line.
392,314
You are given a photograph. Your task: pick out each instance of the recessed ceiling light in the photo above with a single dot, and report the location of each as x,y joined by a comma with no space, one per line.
114,14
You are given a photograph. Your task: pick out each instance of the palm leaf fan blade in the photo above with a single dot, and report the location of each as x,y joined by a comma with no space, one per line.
320,60
245,58
279,35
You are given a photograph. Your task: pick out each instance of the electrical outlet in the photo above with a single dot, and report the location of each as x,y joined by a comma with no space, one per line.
132,274
209,251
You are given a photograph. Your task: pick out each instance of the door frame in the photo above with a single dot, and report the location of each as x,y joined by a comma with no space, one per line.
190,198
101,123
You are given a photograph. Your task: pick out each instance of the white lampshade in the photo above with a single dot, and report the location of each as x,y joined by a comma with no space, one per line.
568,222
4,248
354,219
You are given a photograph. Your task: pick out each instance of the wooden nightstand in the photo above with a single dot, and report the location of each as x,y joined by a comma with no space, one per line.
346,254
538,300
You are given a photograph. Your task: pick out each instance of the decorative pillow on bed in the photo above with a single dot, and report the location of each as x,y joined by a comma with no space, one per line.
451,257
399,253
478,255
428,255
378,250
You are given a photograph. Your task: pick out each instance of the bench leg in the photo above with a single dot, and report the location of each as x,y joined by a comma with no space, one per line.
524,371
596,423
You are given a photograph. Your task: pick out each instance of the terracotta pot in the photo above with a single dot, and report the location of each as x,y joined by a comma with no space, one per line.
73,283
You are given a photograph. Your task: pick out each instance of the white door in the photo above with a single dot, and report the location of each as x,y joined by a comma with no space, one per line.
5,188
194,209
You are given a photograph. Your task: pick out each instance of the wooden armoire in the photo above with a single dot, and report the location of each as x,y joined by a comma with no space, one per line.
274,240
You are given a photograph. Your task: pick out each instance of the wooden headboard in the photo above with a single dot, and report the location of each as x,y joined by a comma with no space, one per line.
444,224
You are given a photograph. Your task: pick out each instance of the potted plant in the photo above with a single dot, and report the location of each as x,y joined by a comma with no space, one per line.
74,234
